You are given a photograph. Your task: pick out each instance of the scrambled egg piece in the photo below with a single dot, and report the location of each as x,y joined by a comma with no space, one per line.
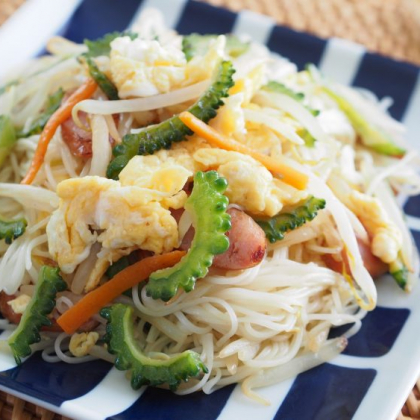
80,344
98,209
386,237
19,304
121,215
144,68
230,118
251,185
202,67
250,83
163,172
262,139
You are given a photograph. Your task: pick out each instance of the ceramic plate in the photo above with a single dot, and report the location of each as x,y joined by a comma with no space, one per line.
374,375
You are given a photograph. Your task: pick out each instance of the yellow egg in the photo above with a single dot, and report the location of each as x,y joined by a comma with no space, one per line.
386,237
250,184
119,215
141,68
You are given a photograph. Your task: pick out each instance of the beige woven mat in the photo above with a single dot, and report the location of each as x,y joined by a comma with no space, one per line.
390,27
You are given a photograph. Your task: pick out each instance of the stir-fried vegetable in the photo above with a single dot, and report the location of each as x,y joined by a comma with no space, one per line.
96,48
145,370
16,82
289,175
207,206
36,314
196,44
102,46
91,303
371,135
162,136
102,80
399,272
7,137
307,137
277,87
277,226
85,91
12,230
118,266
37,125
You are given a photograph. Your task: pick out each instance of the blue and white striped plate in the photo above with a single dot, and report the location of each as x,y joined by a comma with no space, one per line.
376,372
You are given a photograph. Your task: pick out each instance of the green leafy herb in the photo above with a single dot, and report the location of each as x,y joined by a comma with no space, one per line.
145,370
12,230
36,314
207,206
7,137
102,46
196,44
161,136
277,226
102,80
37,125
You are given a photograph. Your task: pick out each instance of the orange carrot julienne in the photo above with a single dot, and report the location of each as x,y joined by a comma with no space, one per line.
289,175
85,91
94,301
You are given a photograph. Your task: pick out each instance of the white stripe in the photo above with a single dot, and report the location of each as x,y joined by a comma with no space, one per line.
43,19
172,10
341,60
111,396
7,360
241,407
411,116
258,27
413,222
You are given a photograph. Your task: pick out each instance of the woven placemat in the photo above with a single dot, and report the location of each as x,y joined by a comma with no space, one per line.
389,27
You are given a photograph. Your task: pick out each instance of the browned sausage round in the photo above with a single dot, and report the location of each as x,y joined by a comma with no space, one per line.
247,243
79,141
7,310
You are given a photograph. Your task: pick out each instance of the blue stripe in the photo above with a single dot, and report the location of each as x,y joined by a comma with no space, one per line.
205,19
94,18
380,329
416,237
160,404
386,77
298,47
326,392
412,206
54,383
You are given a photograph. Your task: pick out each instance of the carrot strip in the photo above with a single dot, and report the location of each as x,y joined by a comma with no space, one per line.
94,301
85,91
289,175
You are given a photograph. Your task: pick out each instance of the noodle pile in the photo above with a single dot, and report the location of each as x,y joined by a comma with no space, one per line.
257,326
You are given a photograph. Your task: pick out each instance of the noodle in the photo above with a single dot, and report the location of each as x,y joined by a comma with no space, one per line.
256,323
